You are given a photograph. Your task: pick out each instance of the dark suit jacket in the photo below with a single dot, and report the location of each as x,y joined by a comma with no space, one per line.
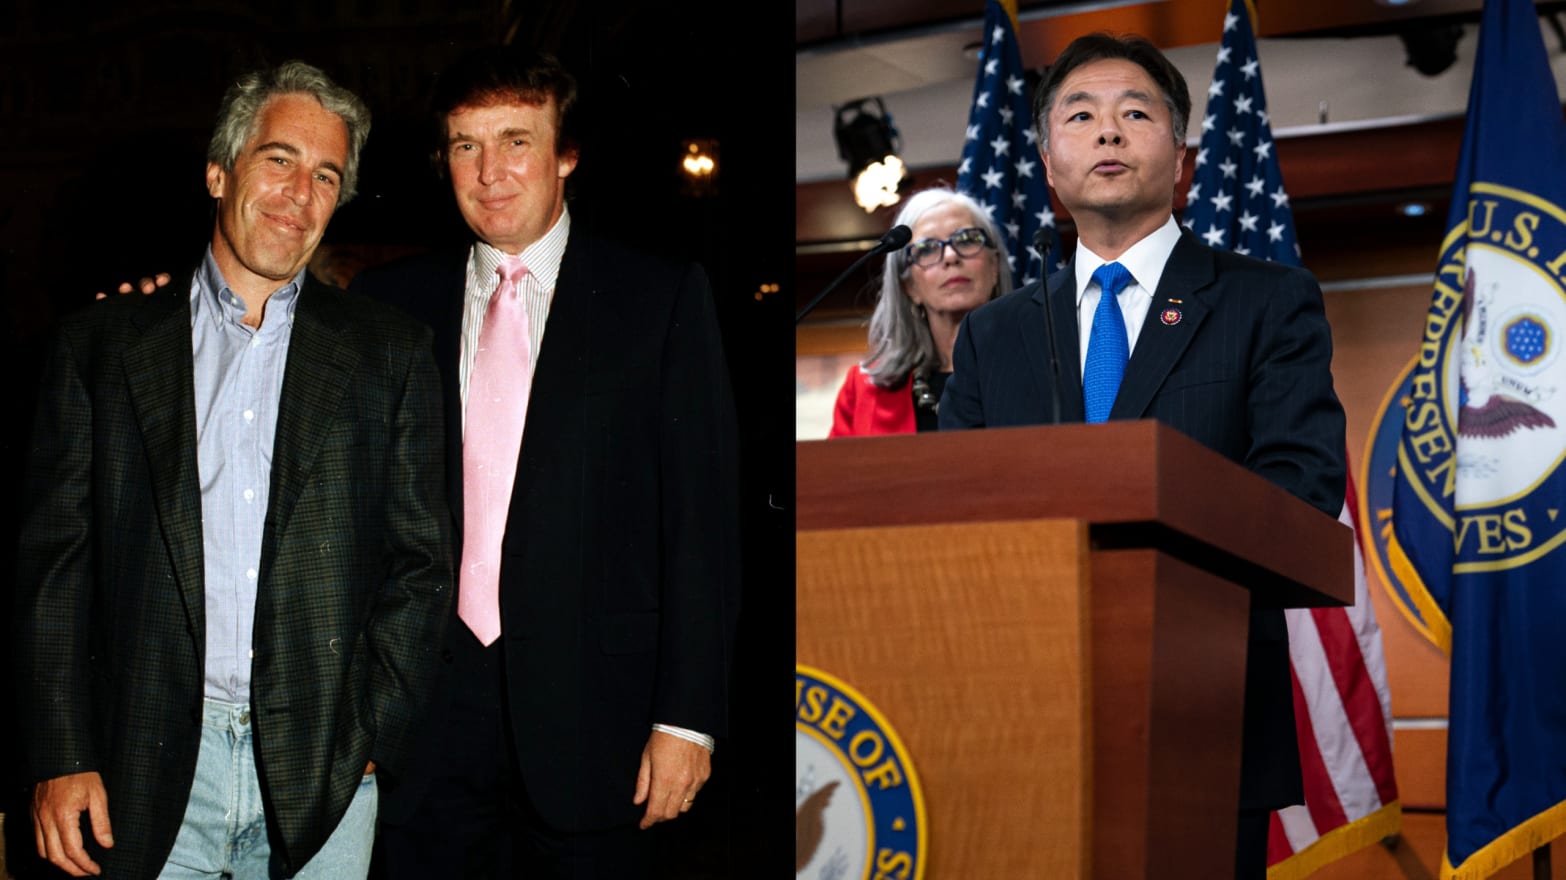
355,576
619,574
1246,370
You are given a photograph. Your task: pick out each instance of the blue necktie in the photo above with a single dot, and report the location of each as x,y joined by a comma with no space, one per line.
1108,349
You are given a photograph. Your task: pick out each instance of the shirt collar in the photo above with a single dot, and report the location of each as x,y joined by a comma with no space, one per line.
1145,260
542,257
210,292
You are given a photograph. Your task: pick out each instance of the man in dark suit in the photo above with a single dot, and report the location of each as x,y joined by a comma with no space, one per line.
587,677
234,558
1232,351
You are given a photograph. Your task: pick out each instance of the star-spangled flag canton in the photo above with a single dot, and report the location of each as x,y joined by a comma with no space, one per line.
1237,201
1000,166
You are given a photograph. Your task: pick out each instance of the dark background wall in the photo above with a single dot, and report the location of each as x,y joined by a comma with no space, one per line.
105,111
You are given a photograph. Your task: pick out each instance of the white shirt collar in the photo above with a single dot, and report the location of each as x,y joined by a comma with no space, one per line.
542,257
1145,260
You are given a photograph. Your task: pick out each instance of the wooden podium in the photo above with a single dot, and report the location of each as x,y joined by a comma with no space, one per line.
1054,621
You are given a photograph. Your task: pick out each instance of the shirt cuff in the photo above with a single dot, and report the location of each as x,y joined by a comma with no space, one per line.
696,737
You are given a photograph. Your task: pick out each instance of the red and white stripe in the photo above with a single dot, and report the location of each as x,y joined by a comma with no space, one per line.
1343,715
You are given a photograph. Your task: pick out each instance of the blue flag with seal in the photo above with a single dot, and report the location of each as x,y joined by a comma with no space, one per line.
1480,489
1000,166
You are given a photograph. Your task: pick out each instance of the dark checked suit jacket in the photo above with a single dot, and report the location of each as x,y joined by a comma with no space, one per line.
1246,370
355,576
619,575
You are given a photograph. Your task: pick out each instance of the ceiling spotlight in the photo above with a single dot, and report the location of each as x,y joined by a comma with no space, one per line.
867,141
1413,209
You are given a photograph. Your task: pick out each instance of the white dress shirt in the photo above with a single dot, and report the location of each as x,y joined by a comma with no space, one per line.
1145,260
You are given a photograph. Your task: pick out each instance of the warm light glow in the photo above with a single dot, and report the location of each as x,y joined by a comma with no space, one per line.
876,186
698,165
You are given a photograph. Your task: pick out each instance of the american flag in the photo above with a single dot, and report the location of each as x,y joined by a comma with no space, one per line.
1342,704
1000,153
1237,201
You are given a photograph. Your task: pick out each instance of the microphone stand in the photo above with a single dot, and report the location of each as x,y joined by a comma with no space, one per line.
894,238
1040,244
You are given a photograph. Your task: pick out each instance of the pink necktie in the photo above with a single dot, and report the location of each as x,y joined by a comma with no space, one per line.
497,408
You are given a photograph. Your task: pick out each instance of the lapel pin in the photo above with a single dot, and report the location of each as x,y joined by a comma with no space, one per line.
1170,317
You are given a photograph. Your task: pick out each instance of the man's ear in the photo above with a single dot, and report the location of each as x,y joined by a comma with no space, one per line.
215,180
565,162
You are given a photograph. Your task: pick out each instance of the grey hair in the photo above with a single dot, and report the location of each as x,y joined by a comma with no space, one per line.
900,341
240,114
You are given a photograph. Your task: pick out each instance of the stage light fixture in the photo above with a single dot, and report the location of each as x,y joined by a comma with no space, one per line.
1431,48
867,141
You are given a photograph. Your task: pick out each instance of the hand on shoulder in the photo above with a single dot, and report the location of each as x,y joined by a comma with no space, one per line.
145,285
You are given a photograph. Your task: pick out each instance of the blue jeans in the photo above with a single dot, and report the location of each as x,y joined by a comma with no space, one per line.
223,834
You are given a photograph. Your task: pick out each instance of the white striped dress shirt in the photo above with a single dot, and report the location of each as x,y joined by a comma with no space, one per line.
537,290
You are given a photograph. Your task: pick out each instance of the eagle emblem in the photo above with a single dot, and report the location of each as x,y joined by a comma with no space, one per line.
858,809
810,825
1494,404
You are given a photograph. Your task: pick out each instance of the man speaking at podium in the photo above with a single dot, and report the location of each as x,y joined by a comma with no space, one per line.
1232,351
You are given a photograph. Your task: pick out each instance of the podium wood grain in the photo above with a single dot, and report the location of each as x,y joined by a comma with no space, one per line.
931,572
991,703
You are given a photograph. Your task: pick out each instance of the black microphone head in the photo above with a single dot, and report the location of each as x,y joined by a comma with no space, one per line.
894,239
1042,239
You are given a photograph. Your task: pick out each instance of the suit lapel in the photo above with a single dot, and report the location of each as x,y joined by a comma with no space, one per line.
1062,301
159,370
320,366
446,325
1161,342
560,375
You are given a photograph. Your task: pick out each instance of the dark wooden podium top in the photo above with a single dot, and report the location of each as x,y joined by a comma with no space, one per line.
1165,491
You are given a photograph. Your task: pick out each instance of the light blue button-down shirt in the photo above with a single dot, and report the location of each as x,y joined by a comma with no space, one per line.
239,380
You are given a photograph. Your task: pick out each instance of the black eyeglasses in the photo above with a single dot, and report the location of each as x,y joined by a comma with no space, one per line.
928,251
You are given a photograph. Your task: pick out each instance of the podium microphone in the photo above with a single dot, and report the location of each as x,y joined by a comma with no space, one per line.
894,239
1041,243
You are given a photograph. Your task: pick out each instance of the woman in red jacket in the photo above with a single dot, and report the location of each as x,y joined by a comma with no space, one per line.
951,267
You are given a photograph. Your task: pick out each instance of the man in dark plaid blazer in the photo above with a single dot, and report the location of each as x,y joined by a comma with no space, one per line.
207,603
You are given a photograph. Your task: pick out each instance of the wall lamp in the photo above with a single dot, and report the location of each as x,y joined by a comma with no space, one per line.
867,141
699,167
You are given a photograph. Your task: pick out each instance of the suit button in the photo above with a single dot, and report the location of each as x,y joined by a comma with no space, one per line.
445,655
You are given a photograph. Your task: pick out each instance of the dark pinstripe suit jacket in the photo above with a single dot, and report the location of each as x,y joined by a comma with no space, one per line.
1246,371
355,575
